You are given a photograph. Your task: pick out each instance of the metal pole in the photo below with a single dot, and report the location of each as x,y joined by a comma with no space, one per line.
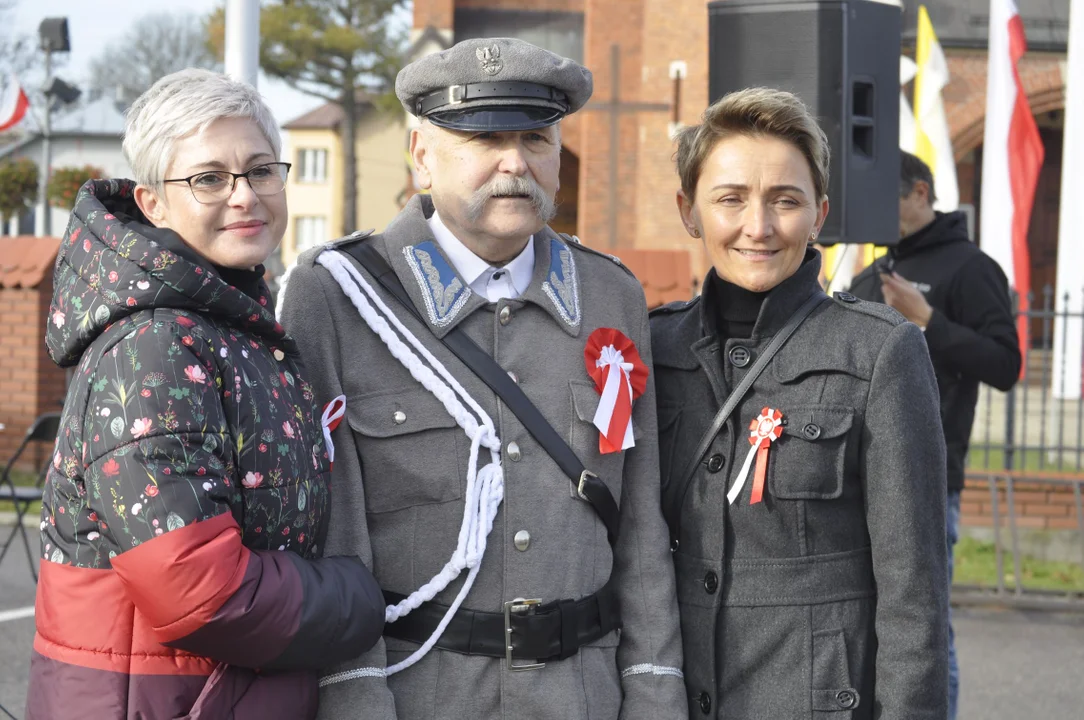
42,225
243,40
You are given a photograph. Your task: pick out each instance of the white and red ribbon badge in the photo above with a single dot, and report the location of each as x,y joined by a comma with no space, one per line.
765,429
329,420
620,377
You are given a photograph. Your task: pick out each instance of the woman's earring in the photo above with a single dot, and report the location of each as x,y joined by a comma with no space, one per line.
695,232
813,237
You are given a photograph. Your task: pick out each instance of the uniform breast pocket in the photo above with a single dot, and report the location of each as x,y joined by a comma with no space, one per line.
811,459
408,444
583,438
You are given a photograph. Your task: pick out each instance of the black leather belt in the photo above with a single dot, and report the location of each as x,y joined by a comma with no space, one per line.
455,94
539,631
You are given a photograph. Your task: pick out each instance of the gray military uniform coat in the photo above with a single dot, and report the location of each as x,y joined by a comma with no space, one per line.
399,475
827,599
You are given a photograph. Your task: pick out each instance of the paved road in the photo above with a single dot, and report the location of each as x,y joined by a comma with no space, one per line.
1016,665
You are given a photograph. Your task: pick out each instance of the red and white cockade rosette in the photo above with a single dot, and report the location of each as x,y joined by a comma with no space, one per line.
620,377
329,420
765,429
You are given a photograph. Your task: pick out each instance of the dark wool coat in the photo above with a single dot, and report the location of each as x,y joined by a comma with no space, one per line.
828,598
187,501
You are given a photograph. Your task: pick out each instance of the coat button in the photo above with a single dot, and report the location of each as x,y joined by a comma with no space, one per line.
513,452
847,297
715,463
674,545
740,356
705,703
522,540
399,417
505,315
846,699
711,582
279,355
811,431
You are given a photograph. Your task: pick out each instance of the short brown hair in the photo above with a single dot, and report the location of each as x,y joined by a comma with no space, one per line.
754,111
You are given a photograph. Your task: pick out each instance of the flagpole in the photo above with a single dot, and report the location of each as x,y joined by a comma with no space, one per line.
1068,332
43,225
243,40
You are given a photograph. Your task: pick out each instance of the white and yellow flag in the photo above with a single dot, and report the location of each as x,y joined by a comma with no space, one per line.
932,141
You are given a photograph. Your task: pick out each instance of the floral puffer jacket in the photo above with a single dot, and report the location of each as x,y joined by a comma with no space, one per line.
186,505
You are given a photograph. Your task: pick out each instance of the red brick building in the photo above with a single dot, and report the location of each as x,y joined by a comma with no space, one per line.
658,39
30,383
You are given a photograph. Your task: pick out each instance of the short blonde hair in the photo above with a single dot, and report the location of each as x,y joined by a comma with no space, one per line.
754,111
181,104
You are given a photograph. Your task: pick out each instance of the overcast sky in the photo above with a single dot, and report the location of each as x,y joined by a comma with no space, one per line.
93,24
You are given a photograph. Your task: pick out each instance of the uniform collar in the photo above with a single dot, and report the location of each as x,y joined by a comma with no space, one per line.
443,294
476,271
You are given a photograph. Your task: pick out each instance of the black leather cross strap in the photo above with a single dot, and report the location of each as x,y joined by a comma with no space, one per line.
455,94
589,486
676,499
553,631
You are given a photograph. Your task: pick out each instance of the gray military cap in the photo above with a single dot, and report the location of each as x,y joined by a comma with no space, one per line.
493,84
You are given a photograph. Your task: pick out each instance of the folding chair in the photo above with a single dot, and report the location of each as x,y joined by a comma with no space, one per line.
43,430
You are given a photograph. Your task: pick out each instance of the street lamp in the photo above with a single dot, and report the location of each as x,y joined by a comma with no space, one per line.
53,34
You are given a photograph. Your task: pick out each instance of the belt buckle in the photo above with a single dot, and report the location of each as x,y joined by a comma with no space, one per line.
519,606
456,94
583,479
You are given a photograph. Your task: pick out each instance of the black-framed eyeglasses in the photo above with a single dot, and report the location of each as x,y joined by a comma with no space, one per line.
217,185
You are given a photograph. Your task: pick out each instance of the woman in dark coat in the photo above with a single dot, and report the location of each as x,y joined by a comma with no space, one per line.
187,501
818,590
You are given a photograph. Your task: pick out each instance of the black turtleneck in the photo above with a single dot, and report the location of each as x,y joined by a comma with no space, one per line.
735,309
247,281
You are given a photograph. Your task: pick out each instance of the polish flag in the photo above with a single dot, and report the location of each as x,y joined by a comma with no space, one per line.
1012,156
13,105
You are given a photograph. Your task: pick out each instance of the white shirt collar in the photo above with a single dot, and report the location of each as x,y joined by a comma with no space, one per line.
492,283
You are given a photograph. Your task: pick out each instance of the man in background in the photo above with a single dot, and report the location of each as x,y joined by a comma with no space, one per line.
941,281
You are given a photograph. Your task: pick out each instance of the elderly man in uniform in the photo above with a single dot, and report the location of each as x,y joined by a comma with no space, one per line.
496,463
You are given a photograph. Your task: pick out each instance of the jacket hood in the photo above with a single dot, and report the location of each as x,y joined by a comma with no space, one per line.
946,228
112,264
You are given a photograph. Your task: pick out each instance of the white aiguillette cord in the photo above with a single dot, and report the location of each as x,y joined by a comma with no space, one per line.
485,486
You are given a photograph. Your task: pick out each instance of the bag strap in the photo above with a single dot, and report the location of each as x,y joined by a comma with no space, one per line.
586,484
677,499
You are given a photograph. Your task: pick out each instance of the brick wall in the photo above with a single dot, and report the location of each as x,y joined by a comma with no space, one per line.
433,13
536,5
30,383
1039,506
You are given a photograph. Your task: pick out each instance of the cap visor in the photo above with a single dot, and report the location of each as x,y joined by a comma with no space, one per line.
497,119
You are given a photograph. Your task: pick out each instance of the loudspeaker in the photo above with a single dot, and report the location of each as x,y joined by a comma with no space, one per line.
53,33
842,58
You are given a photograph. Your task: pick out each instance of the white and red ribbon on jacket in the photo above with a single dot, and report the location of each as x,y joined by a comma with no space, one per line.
329,420
765,429
620,376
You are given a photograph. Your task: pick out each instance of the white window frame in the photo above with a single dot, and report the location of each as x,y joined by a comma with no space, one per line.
312,165
309,231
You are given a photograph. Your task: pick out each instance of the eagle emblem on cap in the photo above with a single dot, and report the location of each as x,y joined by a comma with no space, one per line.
490,57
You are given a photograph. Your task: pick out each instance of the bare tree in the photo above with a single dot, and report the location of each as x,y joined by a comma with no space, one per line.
155,46
16,51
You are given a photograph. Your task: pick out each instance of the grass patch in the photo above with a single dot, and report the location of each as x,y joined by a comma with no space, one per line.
1031,459
25,479
976,564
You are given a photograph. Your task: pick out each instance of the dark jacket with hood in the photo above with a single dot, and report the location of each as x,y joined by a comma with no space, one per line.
971,335
186,504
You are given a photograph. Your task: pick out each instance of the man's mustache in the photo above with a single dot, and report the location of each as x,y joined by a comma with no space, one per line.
508,185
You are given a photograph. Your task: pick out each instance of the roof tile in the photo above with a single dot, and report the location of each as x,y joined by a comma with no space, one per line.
26,260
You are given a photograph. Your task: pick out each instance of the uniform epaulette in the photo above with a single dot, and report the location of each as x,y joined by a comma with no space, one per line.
574,242
877,310
308,257
352,238
675,307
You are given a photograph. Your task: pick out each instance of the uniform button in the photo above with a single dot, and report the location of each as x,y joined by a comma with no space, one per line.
811,431
847,297
513,452
522,540
846,699
279,355
674,545
711,582
715,463
705,703
513,376
740,356
505,315
399,417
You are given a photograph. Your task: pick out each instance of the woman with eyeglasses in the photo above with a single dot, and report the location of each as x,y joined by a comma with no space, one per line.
187,500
